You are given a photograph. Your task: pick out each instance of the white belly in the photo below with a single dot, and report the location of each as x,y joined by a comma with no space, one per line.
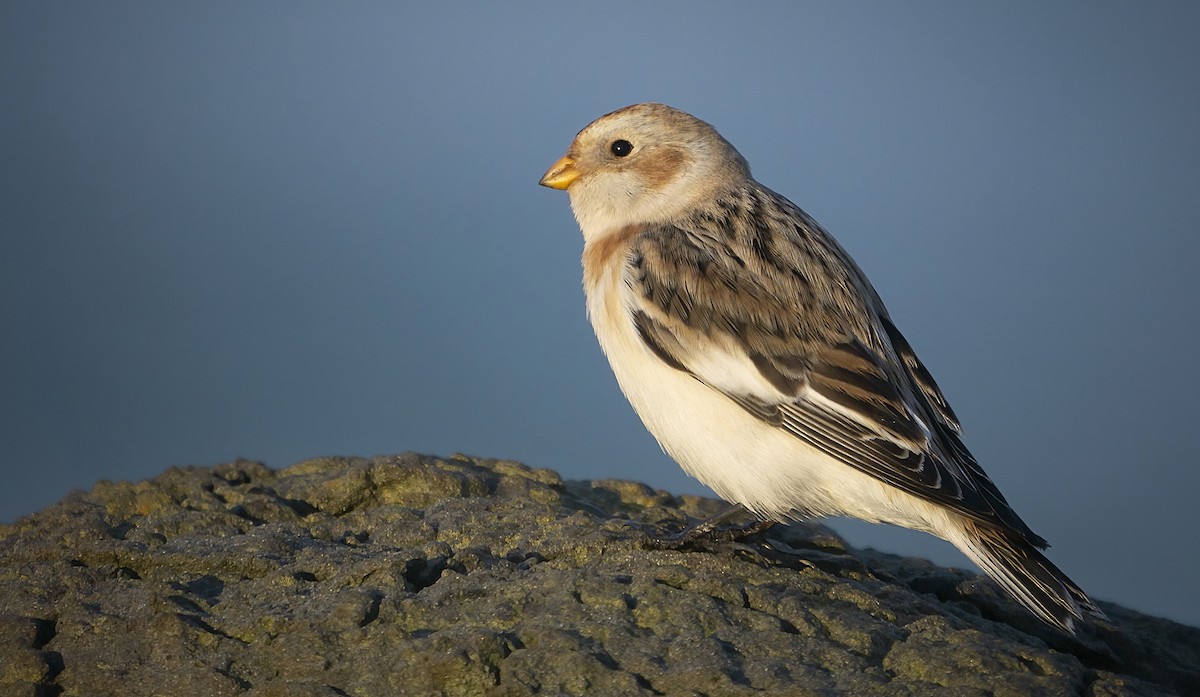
740,457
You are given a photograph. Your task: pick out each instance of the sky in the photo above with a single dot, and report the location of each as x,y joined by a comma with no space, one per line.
279,230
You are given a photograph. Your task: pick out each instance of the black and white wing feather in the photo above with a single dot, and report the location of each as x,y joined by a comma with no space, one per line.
751,297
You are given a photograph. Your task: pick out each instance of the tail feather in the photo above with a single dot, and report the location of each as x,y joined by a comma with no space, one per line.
1027,575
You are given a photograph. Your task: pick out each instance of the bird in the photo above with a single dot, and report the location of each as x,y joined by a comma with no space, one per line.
759,356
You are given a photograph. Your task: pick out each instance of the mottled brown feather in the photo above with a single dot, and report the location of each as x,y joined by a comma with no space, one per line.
662,165
805,316
598,255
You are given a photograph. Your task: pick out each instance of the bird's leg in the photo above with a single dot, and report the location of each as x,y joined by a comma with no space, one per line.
712,529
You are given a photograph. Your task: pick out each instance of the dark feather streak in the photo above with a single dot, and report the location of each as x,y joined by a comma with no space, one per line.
650,333
810,321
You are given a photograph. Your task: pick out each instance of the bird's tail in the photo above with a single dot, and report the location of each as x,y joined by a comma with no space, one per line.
1027,575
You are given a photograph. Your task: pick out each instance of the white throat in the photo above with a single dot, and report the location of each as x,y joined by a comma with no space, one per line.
606,203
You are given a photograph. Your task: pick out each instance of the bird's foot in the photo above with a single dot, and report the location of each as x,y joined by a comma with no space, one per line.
713,529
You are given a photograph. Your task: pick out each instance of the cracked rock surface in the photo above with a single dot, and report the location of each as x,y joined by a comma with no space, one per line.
418,575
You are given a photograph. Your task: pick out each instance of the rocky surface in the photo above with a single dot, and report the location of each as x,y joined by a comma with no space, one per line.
415,575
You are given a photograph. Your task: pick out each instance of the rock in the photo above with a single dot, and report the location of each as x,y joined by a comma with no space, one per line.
416,575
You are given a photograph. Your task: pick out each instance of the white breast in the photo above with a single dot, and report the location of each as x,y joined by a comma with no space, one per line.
743,459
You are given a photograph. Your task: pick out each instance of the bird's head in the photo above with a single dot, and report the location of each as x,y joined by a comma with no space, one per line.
644,164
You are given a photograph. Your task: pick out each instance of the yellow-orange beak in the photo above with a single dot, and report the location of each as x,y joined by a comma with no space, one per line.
561,174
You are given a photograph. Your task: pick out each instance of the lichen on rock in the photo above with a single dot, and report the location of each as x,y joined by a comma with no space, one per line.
419,575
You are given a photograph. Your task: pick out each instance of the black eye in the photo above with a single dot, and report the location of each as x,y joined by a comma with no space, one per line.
621,148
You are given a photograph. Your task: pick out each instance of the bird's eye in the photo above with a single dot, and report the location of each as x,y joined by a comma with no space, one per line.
621,148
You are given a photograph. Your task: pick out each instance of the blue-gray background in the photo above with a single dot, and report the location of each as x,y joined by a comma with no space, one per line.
282,230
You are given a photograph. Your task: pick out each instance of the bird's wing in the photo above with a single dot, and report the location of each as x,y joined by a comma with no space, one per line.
745,314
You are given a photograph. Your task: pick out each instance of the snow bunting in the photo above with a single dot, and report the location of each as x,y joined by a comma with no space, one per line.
760,357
